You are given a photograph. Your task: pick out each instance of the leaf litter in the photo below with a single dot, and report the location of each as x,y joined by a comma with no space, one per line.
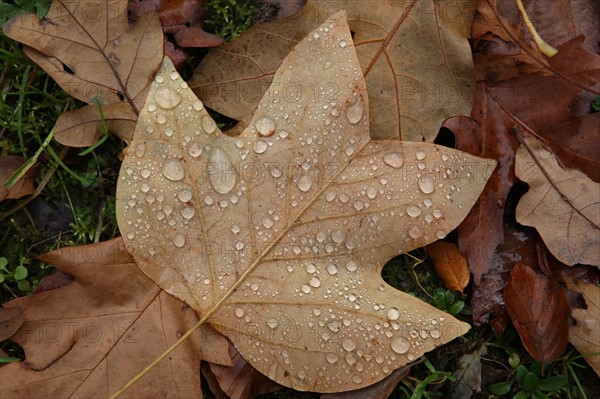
295,253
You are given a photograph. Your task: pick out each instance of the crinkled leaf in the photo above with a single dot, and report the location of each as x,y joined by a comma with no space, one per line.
92,53
89,338
282,232
414,54
562,204
10,164
539,311
585,333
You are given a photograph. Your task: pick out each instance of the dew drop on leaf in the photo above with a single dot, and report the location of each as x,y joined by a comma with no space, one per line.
426,184
265,126
305,183
413,211
179,240
224,177
260,146
354,111
393,314
167,98
349,345
173,170
400,345
393,159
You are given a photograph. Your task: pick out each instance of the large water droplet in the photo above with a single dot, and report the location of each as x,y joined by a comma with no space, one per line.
224,177
332,357
394,159
260,146
435,333
332,269
179,240
173,170
354,111
208,124
197,105
235,229
184,195
371,192
349,345
272,323
351,265
420,155
400,345
265,126
195,150
166,97
413,211
427,185
338,236
209,200
415,231
187,212
314,282
305,183
393,314
239,312
267,222
437,213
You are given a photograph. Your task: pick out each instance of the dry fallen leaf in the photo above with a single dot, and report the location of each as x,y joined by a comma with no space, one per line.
9,164
449,264
279,235
562,204
539,311
89,338
585,334
415,56
93,54
468,375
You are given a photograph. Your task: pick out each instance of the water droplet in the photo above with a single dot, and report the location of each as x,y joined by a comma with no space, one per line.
305,183
415,231
208,200
166,97
140,150
317,312
131,235
260,146
334,326
435,333
394,159
314,282
440,234
420,155
265,126
338,236
371,192
239,246
208,124
267,222
235,229
187,212
316,35
344,197
393,314
239,312
169,132
173,170
151,107
343,43
145,173
161,119
306,288
321,236
284,134
437,213
195,150
400,345
159,78
413,211
225,175
351,265
311,268
354,112
179,241
349,345
357,379
330,196
332,269
427,185
197,105
272,323
359,205
444,157
332,357
184,195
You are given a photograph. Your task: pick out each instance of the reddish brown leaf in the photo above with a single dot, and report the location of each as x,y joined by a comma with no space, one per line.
539,311
10,322
486,134
449,264
24,186
488,297
89,338
53,281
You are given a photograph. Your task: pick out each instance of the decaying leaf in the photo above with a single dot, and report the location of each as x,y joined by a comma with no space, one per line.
486,134
9,164
93,54
89,338
539,311
562,204
449,264
585,334
468,375
414,54
279,235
